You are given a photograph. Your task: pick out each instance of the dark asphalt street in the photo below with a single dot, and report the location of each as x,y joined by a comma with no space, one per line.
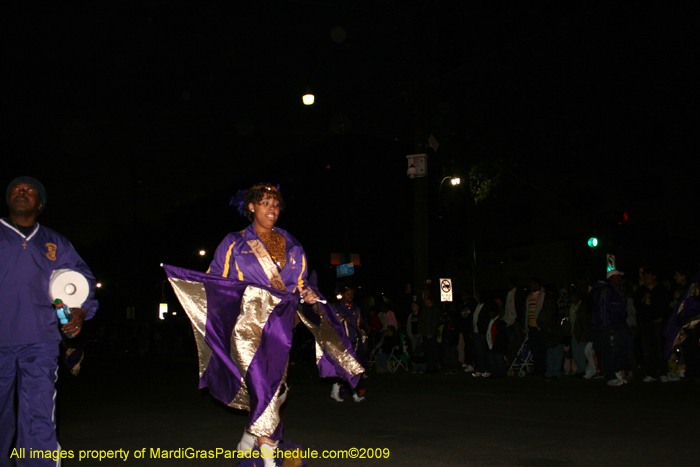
435,420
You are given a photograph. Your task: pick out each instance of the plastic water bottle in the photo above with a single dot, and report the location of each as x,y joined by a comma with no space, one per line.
612,340
63,313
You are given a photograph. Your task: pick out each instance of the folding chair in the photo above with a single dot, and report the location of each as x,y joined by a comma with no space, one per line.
399,357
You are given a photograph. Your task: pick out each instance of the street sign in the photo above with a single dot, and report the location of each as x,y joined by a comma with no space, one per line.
445,290
345,270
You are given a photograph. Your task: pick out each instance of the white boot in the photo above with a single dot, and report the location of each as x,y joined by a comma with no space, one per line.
335,393
267,452
357,398
247,442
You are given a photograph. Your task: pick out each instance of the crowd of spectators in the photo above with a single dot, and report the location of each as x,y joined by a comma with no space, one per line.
615,329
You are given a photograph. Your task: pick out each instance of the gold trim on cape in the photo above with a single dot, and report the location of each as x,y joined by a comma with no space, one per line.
329,341
193,299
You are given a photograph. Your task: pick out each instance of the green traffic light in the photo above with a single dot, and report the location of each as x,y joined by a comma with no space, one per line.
592,242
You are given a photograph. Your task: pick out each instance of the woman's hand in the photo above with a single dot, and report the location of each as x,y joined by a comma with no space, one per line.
308,296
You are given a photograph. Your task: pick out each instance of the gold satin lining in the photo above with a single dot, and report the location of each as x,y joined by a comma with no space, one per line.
266,424
193,299
256,306
242,400
328,340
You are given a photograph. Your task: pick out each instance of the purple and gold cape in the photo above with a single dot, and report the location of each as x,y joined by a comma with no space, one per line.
244,330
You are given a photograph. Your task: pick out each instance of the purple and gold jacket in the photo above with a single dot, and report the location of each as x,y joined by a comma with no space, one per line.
26,264
235,259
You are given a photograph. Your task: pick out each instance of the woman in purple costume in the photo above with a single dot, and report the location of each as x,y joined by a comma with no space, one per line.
269,256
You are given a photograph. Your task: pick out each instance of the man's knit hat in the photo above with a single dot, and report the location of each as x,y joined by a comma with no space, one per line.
32,181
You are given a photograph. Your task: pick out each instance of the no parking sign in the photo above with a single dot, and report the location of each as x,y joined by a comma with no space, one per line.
445,290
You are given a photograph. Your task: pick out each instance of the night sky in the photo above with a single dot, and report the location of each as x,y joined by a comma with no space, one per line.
142,118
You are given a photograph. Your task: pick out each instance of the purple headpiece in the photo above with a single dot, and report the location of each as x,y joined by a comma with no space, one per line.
238,200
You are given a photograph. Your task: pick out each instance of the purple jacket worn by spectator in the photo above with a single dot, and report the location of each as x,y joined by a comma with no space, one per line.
610,310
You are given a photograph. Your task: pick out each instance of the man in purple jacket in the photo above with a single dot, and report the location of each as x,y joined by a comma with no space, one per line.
29,331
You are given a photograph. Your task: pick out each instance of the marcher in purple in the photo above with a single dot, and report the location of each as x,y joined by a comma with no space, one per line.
350,315
29,329
260,258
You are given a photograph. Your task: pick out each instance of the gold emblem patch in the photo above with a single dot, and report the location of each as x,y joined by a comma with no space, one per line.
51,251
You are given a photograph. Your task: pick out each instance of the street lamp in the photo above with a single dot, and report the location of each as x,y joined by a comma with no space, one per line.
198,258
453,180
308,97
